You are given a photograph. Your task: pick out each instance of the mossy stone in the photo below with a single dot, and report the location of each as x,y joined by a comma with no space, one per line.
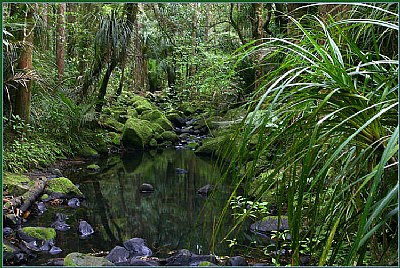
87,151
41,233
157,128
115,138
79,259
93,167
153,143
111,124
206,263
211,146
137,133
44,196
62,185
193,145
164,123
169,136
16,184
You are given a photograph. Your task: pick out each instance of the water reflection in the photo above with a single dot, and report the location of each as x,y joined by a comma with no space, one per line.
168,218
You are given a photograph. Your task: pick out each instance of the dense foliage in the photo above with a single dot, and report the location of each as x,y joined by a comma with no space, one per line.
319,82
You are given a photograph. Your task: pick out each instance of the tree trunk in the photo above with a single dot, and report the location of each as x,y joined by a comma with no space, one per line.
23,95
140,72
258,34
280,18
60,41
207,26
103,88
121,82
194,36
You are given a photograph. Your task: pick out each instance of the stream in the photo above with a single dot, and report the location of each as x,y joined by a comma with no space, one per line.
170,218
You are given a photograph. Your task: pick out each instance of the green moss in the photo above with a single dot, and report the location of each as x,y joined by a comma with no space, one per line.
93,167
87,151
156,128
193,145
44,196
205,263
115,138
111,124
16,184
132,113
153,143
79,259
62,185
151,115
137,133
41,233
164,123
7,248
169,136
211,145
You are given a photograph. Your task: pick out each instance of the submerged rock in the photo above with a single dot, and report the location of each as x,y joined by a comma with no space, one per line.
181,171
146,188
85,229
205,190
74,202
55,250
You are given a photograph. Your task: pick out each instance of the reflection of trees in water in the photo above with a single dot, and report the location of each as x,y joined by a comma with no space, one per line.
165,218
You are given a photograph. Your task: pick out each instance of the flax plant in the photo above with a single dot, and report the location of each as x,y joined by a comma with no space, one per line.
333,150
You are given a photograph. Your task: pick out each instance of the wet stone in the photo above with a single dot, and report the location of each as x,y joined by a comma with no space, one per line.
119,256
137,247
85,229
237,261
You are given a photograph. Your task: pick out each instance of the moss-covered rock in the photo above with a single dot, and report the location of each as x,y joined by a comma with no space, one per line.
16,184
156,116
156,128
111,124
40,233
87,151
153,143
193,145
169,136
79,259
164,123
115,138
62,185
137,133
45,196
93,167
211,146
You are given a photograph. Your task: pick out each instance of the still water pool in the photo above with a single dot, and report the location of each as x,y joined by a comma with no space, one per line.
172,217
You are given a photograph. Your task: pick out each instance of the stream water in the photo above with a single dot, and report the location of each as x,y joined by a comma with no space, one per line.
170,218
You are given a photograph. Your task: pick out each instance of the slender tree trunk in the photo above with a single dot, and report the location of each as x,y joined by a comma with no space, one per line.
258,34
192,67
236,26
121,82
140,72
45,10
103,88
207,26
280,17
23,95
60,42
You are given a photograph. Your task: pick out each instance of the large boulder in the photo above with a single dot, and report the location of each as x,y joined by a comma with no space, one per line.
156,116
136,133
79,259
63,187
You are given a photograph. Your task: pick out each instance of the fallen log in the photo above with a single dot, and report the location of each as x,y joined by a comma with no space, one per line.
33,194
